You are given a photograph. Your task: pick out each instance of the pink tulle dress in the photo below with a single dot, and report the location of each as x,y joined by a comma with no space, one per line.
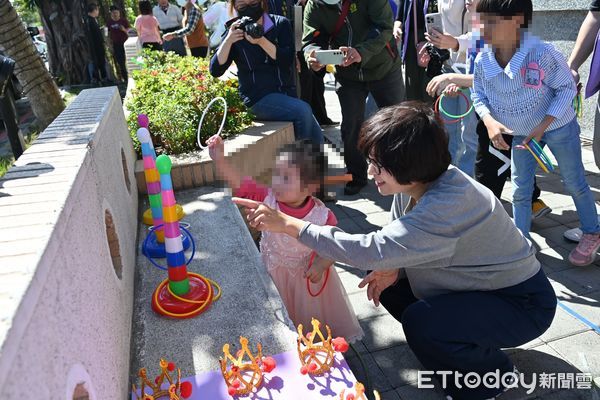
286,258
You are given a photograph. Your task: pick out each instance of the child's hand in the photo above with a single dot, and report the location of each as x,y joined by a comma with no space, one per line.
537,133
495,130
315,271
438,84
377,282
216,148
452,90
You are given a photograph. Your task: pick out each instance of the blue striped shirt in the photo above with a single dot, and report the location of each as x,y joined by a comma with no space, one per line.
505,95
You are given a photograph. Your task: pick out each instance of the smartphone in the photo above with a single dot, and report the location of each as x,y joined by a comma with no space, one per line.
434,21
329,57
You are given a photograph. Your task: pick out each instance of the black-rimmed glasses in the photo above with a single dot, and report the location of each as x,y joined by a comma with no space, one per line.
375,164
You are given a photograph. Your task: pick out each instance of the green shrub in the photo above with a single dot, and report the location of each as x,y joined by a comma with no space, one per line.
174,91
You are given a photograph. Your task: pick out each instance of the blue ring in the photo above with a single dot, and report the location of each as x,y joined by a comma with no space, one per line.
153,231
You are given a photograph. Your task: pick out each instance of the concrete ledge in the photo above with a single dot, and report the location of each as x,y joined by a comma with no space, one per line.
68,210
252,152
250,304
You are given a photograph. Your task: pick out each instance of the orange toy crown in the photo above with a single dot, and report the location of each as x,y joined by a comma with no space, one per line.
359,393
244,375
175,391
317,359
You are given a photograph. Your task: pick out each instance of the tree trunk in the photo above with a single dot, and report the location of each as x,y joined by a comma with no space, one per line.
68,51
37,83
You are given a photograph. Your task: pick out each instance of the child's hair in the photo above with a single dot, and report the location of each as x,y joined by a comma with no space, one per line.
308,157
145,7
114,8
508,8
408,141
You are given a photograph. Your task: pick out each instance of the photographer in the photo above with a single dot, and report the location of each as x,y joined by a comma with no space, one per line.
262,47
363,32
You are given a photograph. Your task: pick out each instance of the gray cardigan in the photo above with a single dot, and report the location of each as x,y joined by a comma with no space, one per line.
458,237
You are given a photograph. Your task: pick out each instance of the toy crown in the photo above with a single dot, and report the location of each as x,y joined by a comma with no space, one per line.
359,393
245,374
317,359
175,391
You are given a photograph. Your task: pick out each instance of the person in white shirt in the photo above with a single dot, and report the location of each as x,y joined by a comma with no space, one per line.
170,20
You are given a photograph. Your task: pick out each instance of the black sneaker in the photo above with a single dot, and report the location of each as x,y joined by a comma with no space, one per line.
353,187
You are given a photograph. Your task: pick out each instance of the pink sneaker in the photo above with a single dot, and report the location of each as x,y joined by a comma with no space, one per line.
585,252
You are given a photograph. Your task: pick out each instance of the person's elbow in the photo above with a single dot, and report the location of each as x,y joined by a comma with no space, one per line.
215,68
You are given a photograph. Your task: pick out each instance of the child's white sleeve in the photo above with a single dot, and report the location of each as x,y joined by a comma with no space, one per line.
478,96
558,77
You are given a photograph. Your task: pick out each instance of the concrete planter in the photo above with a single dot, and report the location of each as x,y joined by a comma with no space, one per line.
252,152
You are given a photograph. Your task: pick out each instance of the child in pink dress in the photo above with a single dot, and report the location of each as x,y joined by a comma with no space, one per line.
297,175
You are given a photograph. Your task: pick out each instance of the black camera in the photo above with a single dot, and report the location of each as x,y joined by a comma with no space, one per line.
253,29
437,57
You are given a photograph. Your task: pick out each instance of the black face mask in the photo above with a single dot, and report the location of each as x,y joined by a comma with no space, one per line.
255,11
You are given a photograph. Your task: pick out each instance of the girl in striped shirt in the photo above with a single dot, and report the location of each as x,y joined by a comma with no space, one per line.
523,87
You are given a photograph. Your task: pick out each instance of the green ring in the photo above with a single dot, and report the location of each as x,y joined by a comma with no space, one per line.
441,108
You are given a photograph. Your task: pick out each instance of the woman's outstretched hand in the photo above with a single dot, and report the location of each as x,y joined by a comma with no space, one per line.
377,282
264,218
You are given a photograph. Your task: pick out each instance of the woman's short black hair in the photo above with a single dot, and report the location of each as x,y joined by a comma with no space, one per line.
408,141
308,157
508,8
145,7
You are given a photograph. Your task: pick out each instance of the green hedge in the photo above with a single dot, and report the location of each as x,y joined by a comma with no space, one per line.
173,91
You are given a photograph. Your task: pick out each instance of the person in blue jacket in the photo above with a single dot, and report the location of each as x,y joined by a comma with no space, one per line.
265,69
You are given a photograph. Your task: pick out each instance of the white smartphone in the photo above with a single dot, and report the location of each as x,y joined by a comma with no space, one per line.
330,57
434,21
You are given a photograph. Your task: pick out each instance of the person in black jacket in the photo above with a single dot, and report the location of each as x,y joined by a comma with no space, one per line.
97,64
265,69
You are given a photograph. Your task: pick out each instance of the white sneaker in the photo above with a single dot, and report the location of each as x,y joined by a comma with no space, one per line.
574,235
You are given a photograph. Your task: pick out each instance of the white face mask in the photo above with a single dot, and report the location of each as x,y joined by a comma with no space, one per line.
331,2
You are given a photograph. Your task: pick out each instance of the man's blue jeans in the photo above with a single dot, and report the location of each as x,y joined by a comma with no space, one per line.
565,145
281,107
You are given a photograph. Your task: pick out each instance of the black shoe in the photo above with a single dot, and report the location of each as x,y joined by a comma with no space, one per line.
353,187
328,122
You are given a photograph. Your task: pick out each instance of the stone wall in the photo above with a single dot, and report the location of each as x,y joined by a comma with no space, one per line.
68,212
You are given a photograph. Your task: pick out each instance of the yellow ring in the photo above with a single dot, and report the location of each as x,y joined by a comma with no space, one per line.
203,303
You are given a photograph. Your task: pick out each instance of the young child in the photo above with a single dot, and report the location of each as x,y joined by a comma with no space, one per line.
490,166
146,26
524,87
297,175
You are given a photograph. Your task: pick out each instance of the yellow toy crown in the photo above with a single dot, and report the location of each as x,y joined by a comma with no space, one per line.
175,391
244,376
316,359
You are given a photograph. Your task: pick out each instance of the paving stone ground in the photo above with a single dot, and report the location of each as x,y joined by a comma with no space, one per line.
569,346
